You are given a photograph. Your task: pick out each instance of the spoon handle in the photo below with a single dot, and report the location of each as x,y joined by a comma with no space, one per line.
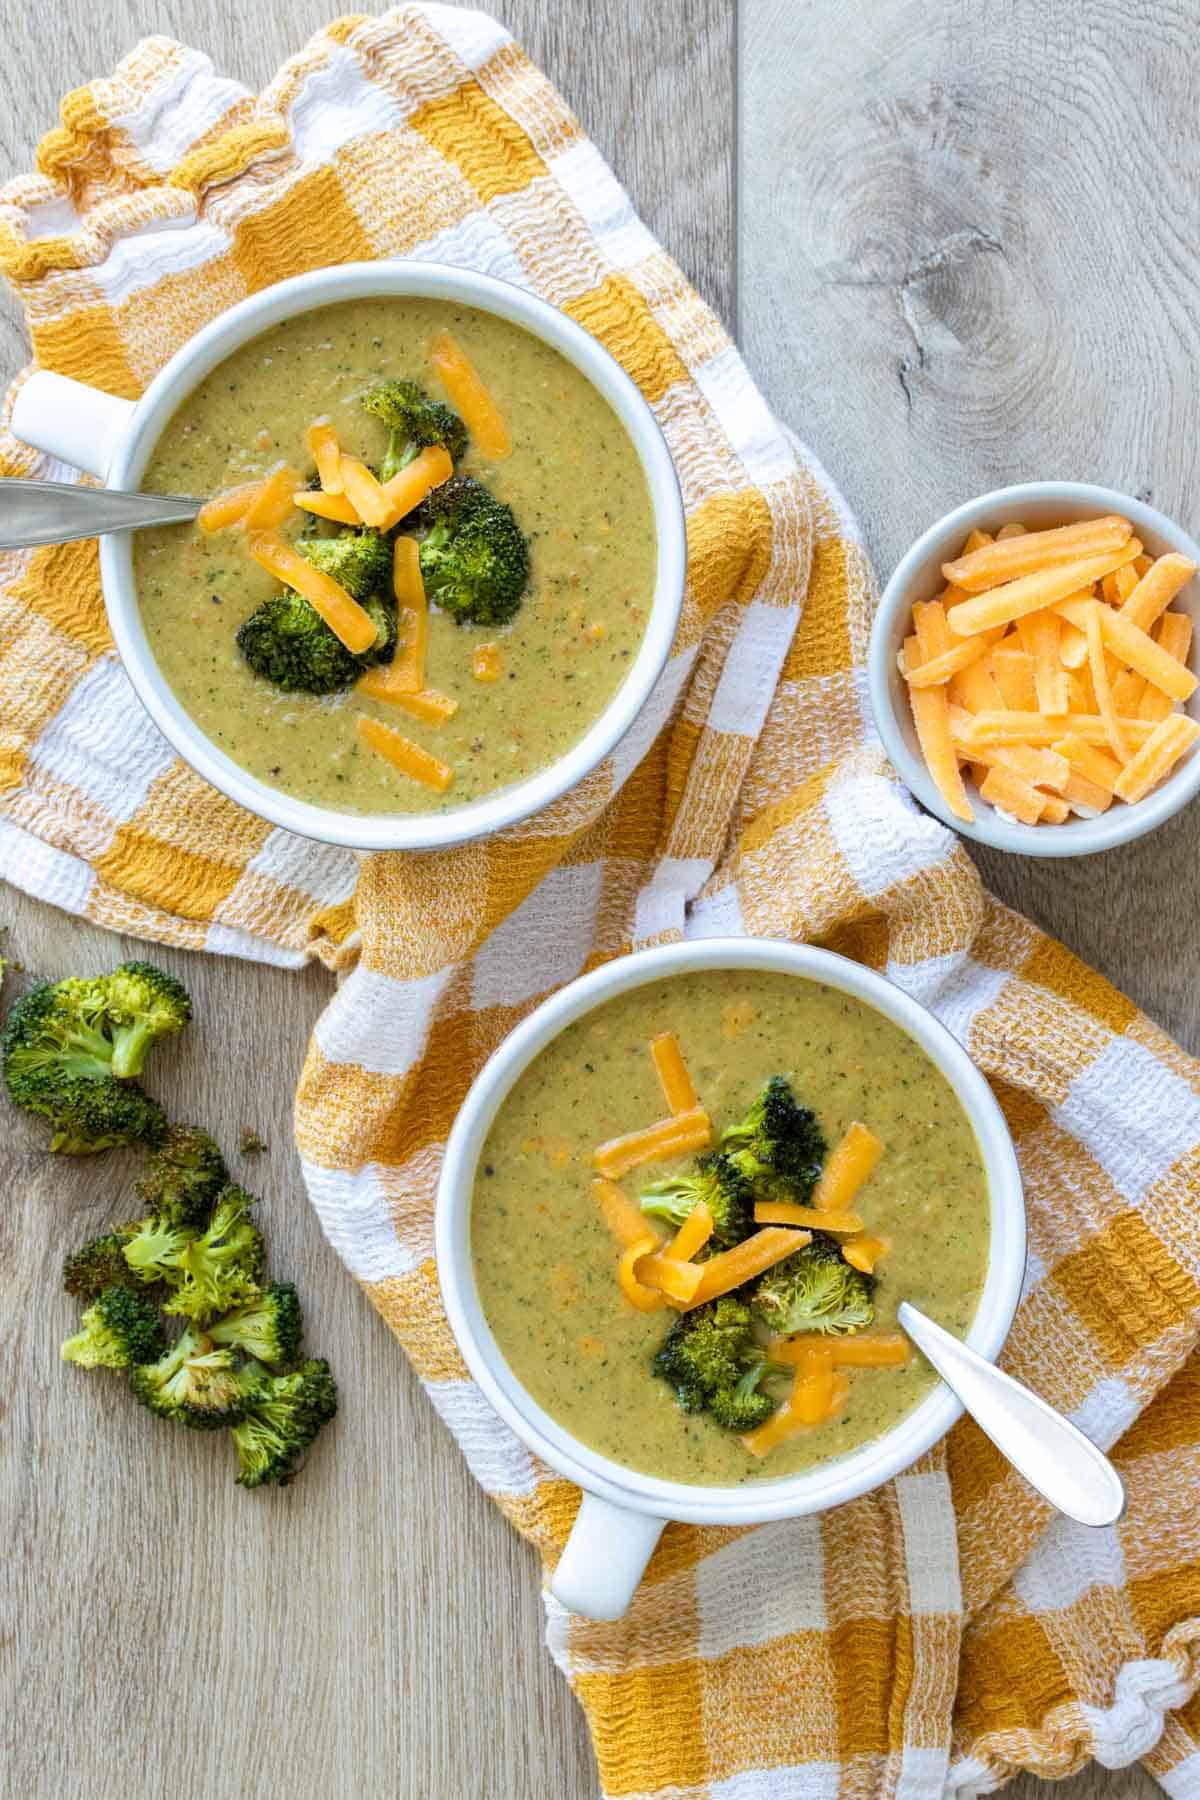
1053,1455
55,512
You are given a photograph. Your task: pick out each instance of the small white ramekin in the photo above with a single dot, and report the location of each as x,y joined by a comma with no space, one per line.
918,576
113,439
624,1511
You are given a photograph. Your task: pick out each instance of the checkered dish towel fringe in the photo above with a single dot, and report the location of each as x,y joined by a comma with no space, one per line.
942,1631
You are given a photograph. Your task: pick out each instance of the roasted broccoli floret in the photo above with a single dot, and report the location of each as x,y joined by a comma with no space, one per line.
118,1330
744,1407
57,1029
778,1145
109,1022
50,1068
89,1116
709,1356
268,1327
414,422
68,1046
474,557
287,642
153,1250
193,1383
99,1264
359,561
814,1289
183,1178
284,1415
219,1268
719,1182
208,1271
141,1005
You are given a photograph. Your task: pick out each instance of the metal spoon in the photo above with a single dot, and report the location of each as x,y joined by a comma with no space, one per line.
55,512
1053,1455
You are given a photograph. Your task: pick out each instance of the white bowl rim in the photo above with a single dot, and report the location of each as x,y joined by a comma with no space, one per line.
1077,837
815,1490
323,287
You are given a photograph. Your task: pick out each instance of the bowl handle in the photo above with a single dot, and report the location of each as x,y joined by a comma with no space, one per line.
77,424
604,1559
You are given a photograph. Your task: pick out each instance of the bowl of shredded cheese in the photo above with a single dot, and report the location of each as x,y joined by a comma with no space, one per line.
1031,669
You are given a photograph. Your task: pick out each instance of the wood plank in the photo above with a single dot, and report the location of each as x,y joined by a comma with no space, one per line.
935,214
1091,1783
376,1628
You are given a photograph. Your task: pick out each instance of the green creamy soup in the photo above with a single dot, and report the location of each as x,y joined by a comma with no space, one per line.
573,481
546,1264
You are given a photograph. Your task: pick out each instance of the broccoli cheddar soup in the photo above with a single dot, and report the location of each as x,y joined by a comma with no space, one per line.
698,1209
441,585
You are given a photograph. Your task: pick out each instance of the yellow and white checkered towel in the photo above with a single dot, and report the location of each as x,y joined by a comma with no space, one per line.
945,1631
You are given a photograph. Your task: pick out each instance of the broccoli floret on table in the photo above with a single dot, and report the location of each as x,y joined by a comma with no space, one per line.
96,1026
778,1145
118,1330
183,1178
89,1116
414,422
814,1289
210,1271
711,1359
284,1415
194,1383
720,1184
219,1268
69,1046
287,642
268,1327
141,1004
98,1264
153,1250
474,556
57,1028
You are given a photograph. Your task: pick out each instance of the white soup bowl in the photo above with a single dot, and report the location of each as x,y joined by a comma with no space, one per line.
623,1510
113,439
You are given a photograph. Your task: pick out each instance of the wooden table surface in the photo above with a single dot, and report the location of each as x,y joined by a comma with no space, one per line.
956,260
